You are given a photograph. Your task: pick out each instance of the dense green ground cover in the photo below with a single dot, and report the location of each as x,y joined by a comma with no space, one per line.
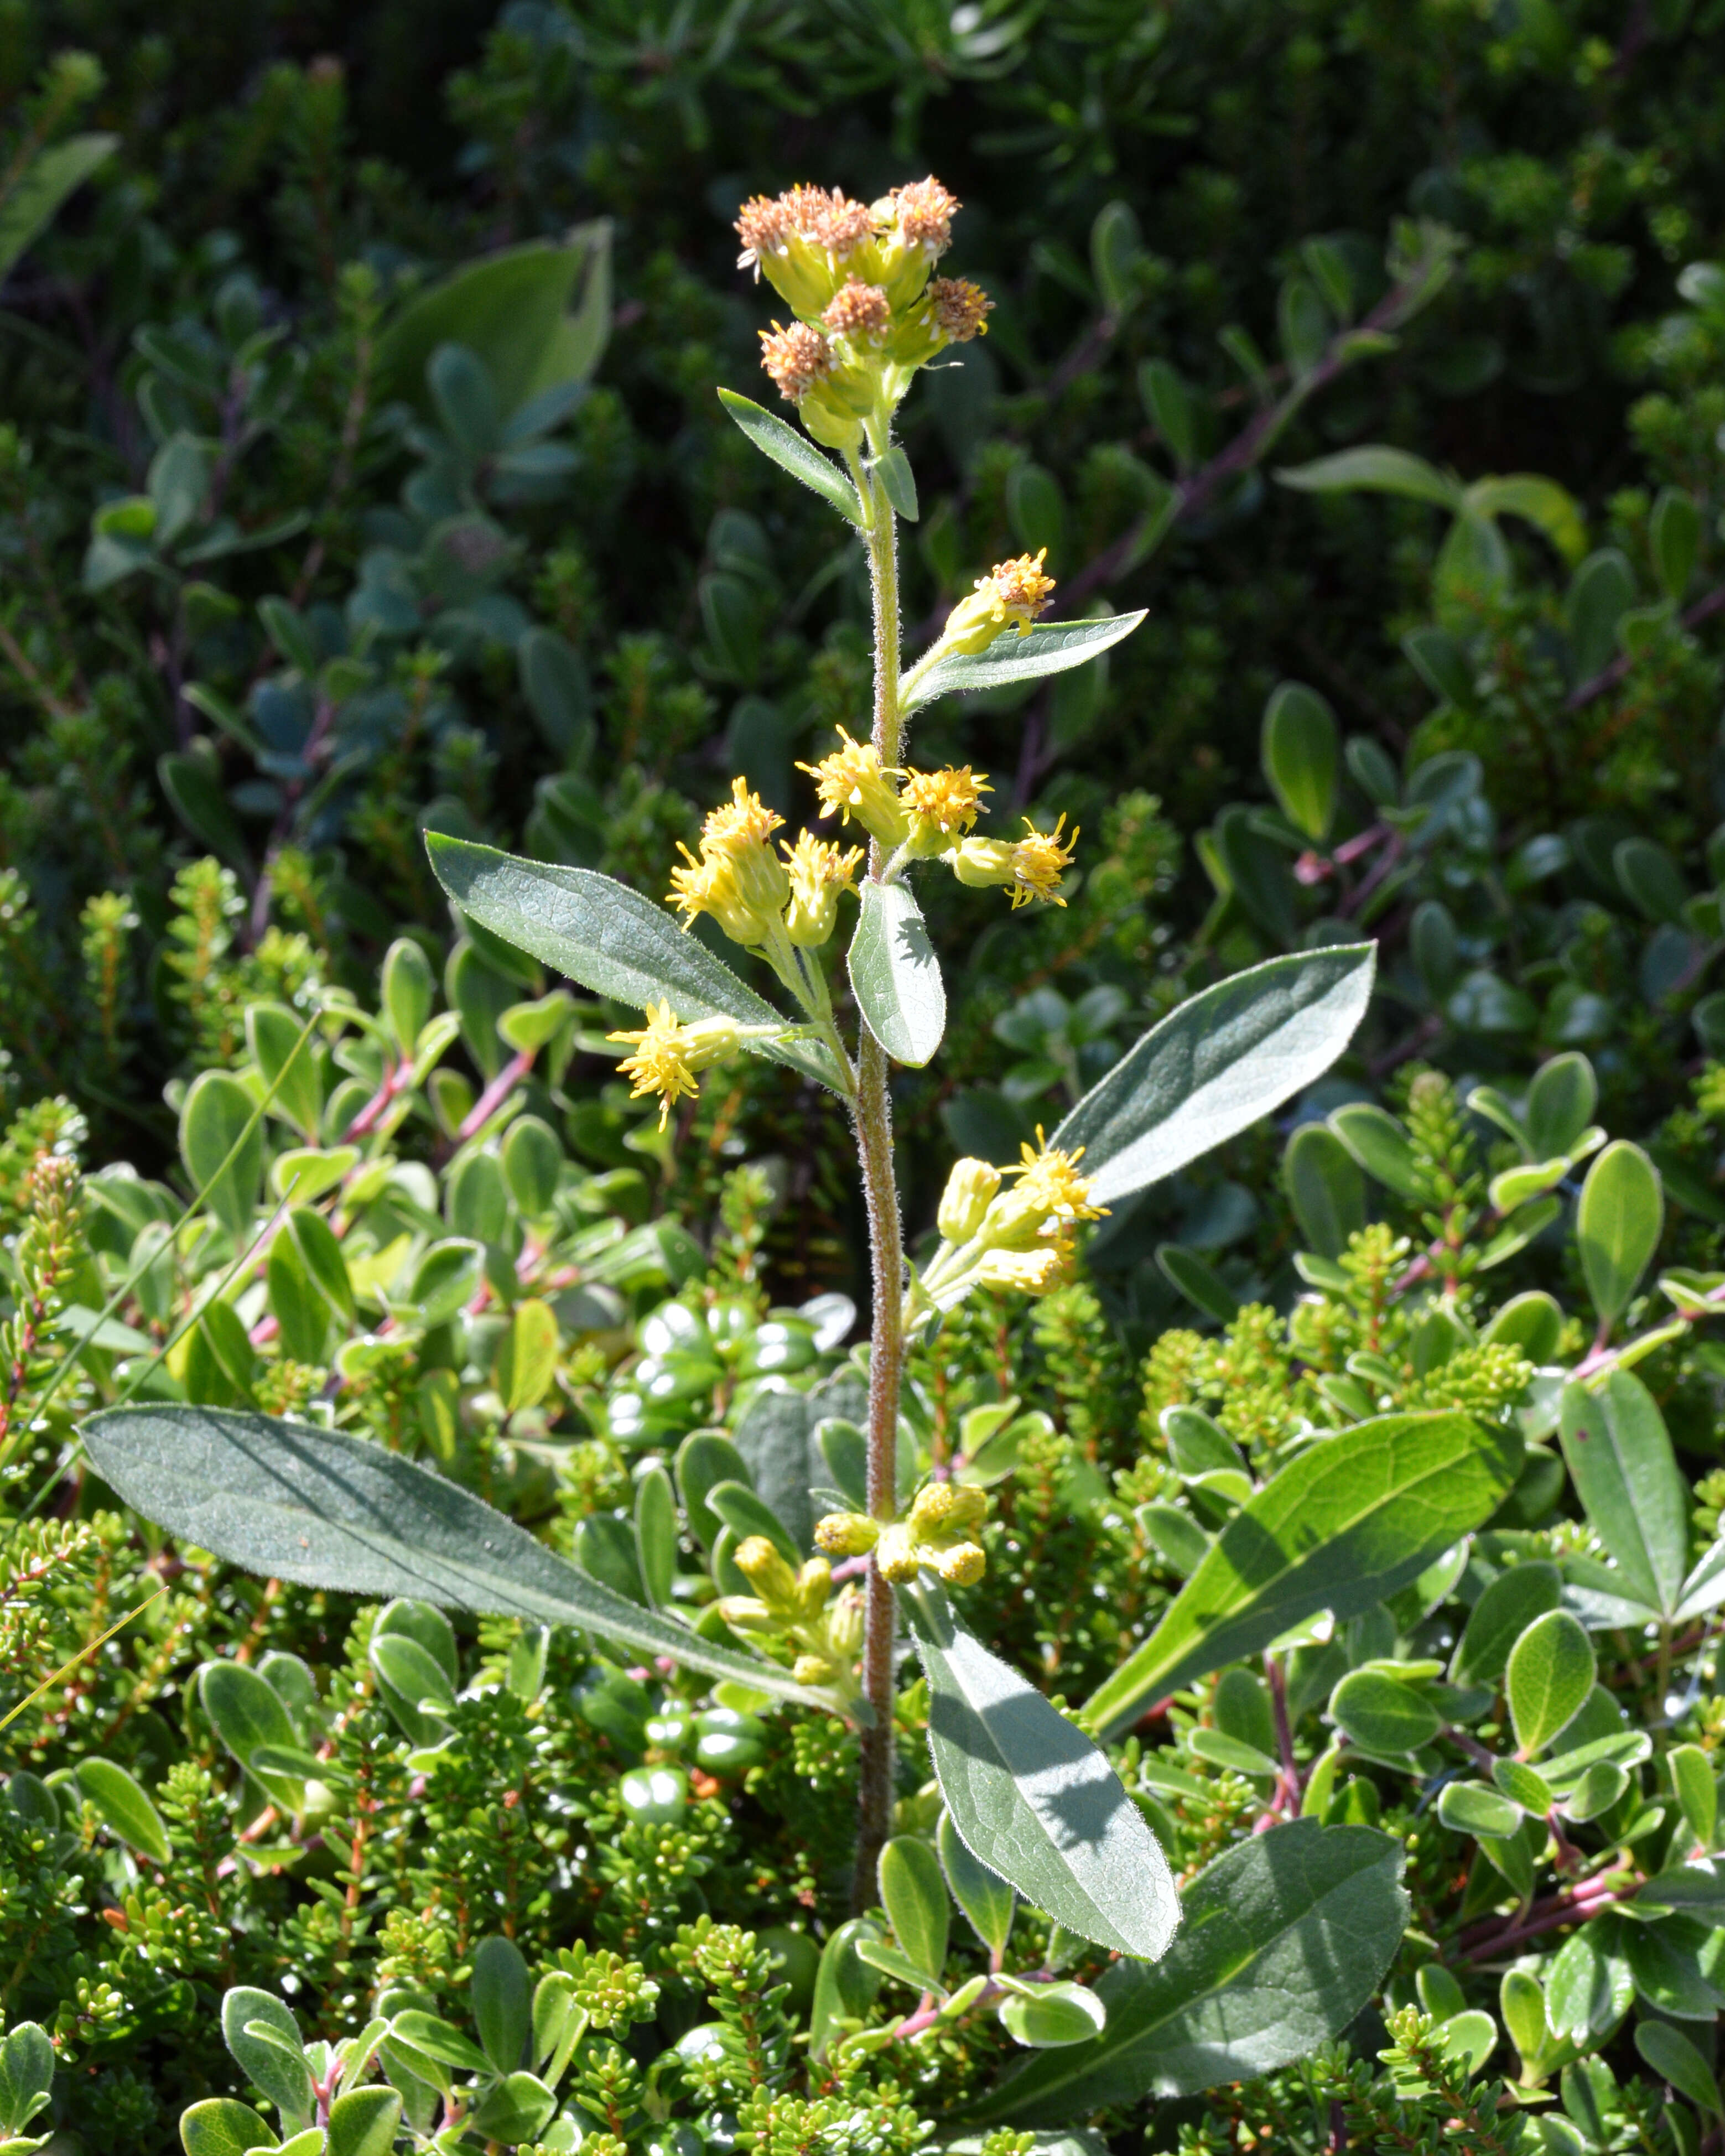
362,474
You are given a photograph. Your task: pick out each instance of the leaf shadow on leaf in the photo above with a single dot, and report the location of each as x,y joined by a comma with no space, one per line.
1077,1792
914,946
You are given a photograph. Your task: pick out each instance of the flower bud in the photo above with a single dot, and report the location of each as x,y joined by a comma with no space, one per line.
963,1565
845,1621
896,1557
1031,1272
846,1534
852,781
932,1509
819,872
742,1613
811,1669
814,1582
970,1187
767,1572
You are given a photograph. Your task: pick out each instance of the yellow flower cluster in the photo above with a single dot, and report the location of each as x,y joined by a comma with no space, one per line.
939,1531
1019,1237
869,311
793,1612
755,897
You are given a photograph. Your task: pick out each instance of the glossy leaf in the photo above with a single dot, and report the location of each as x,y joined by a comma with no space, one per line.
1499,1618
1375,468
1302,752
1349,1521
1626,1475
984,1895
1547,1678
222,2126
845,1985
1696,1792
222,1144
124,1807
913,1892
1382,1714
26,2061
796,454
1047,2016
1472,1808
1326,1188
1216,1064
1052,647
1589,1988
1675,2059
894,975
656,1536
608,939
1617,1226
1032,1797
1379,1144
1284,1938
326,1510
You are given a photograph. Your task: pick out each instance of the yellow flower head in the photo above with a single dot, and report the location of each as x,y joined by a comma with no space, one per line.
923,213
743,821
958,309
797,359
661,1063
852,779
857,311
943,804
1018,590
1039,861
803,239
1011,595
819,872
1048,1179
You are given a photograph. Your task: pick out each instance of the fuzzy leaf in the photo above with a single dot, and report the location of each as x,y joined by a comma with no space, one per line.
1052,648
326,1510
1214,1066
1032,1797
895,976
792,453
607,938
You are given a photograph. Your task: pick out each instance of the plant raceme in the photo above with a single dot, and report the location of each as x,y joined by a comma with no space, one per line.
1030,1797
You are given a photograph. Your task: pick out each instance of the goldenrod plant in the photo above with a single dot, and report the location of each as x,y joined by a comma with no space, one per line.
1031,1798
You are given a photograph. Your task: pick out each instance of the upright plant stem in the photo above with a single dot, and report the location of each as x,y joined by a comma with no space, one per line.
887,1350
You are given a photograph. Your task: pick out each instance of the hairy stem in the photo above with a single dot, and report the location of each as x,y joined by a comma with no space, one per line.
886,1348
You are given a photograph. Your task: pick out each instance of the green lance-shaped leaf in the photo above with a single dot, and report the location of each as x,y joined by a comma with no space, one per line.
213,1122
1283,1940
610,939
1674,2059
326,1510
502,2001
1214,1066
983,1895
1346,1523
1301,751
1032,1797
1052,647
1626,1475
1374,467
794,453
1617,1226
33,200
123,1806
895,976
913,1892
1547,1678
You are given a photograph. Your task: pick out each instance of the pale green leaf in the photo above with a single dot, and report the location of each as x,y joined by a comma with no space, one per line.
894,975
1374,467
1052,647
609,938
1214,1066
1032,1797
29,205
794,453
1626,1475
317,1506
